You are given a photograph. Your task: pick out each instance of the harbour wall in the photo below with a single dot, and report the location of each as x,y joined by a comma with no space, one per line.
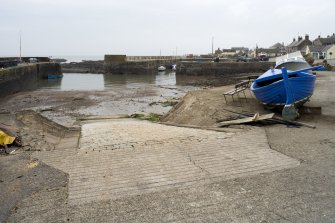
25,59
221,68
94,67
122,64
134,67
25,77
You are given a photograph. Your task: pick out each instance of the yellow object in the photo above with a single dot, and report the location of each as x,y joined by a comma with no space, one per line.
33,164
6,139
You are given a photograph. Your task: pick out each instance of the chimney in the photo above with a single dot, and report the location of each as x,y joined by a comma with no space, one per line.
293,39
306,37
299,38
319,36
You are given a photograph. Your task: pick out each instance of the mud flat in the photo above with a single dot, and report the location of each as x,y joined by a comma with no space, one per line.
128,170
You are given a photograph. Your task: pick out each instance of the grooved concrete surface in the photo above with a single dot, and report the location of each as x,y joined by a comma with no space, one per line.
127,157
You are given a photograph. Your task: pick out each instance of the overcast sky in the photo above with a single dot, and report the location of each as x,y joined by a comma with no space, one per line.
146,27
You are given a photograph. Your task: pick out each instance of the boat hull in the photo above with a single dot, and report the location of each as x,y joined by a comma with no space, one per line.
55,76
161,68
274,94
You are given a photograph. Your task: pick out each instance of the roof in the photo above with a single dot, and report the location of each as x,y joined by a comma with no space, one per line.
325,41
327,48
296,43
276,46
228,50
240,48
269,50
319,48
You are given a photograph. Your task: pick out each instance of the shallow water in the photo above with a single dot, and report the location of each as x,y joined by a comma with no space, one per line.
100,82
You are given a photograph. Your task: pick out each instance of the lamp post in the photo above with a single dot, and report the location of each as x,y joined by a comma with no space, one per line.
20,47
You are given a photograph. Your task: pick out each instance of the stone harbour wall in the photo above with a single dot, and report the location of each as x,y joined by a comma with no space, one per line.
25,77
134,67
224,68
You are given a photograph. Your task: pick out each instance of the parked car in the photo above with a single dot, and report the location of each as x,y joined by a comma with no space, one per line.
33,60
263,58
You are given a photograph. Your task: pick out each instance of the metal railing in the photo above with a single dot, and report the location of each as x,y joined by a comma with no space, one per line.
148,58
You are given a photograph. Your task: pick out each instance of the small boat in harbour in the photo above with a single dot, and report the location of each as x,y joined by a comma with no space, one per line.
55,76
285,88
161,68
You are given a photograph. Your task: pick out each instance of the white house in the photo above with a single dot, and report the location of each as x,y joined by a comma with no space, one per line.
321,52
330,54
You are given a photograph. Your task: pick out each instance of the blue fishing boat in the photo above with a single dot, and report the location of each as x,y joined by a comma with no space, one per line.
280,87
55,76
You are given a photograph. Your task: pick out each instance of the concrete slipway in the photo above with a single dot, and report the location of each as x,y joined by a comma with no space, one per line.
128,170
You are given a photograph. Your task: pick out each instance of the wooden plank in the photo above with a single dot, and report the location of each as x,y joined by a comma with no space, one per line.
294,122
310,110
255,118
242,84
229,92
9,130
232,92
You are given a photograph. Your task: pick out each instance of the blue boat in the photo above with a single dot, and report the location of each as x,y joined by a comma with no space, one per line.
288,89
288,85
270,88
55,76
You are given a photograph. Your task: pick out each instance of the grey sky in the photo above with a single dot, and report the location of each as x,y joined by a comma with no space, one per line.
144,27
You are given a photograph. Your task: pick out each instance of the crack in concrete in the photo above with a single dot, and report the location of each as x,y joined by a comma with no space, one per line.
198,166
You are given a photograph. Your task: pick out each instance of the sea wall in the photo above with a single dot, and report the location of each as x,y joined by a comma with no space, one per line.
25,77
121,64
133,67
95,67
221,68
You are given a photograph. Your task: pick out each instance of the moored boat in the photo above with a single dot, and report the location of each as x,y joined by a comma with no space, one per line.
161,68
55,76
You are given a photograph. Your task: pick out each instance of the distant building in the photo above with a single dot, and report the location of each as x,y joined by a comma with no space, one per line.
239,50
298,44
280,48
269,52
330,40
321,52
218,51
228,53
275,50
277,46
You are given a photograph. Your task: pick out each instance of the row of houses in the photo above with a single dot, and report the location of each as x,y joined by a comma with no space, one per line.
320,48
